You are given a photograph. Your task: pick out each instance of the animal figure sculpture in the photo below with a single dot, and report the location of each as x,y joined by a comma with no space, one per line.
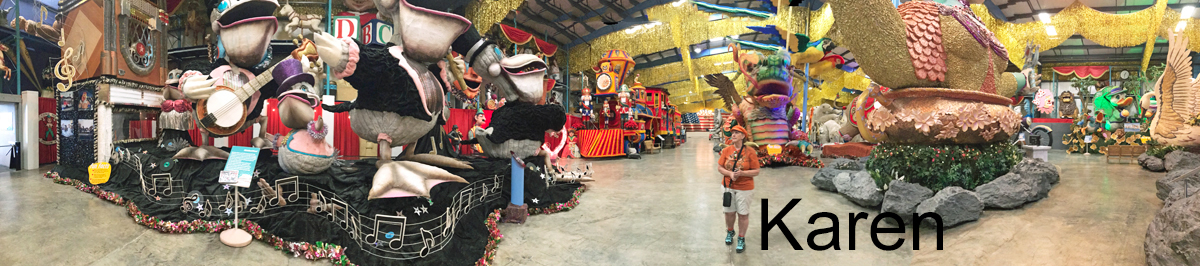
725,88
1179,98
3,65
1109,108
311,22
1066,105
945,71
49,32
825,124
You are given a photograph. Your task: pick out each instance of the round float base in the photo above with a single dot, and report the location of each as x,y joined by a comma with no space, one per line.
236,237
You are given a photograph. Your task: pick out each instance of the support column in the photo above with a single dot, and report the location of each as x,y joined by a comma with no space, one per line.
28,135
327,118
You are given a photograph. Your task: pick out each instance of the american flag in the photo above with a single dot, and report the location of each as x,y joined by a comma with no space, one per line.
694,122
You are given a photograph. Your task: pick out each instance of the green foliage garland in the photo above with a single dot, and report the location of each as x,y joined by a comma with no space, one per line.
940,166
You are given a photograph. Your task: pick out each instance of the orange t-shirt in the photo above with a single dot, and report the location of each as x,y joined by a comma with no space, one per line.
749,161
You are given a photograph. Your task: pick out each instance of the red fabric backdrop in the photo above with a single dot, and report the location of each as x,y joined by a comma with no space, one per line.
241,139
344,139
47,153
517,36
465,119
274,125
195,134
1082,71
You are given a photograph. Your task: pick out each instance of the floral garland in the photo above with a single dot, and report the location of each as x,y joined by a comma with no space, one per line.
494,237
560,207
336,254
806,161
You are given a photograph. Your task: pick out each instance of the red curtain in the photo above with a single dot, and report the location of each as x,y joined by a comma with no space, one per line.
242,139
274,125
545,47
517,36
195,134
1082,71
344,139
514,35
140,129
47,153
465,119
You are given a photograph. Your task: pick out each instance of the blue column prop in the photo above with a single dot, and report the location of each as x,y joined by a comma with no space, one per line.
518,183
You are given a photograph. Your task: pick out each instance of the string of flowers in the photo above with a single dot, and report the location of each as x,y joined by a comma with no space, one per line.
806,161
494,236
311,251
559,207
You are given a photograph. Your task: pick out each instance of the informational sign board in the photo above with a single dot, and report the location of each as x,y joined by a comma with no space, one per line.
98,173
1133,127
239,168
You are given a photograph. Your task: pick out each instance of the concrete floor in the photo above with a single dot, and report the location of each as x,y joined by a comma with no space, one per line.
665,210
661,210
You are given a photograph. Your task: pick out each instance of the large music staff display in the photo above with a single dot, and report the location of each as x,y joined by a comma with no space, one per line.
332,207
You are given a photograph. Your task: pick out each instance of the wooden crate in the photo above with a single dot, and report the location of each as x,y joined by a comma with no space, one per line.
1124,153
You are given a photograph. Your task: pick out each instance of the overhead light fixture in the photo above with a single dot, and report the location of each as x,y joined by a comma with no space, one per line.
697,49
1179,27
678,3
1050,31
1045,18
1187,13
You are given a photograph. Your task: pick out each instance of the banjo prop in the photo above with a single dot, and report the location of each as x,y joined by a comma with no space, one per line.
223,112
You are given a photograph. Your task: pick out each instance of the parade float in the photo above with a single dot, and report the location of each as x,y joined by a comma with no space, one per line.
305,200
612,128
766,110
941,113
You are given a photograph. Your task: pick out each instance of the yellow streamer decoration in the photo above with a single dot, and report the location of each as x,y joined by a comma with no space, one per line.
484,14
1159,9
695,29
1110,30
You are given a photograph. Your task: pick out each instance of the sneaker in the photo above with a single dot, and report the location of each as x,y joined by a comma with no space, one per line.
741,244
729,237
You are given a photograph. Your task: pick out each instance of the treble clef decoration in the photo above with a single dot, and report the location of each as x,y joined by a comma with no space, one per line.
64,70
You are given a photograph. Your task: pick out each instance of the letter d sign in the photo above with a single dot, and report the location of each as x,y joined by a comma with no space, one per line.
345,26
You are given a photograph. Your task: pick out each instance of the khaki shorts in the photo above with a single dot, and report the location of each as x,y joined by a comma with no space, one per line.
741,201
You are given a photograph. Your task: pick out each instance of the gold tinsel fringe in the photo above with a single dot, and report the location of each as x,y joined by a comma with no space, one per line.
1111,30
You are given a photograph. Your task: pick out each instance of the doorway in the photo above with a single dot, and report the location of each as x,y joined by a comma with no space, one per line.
8,133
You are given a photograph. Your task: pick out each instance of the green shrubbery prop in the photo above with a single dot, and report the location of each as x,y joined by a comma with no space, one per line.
1161,151
941,166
